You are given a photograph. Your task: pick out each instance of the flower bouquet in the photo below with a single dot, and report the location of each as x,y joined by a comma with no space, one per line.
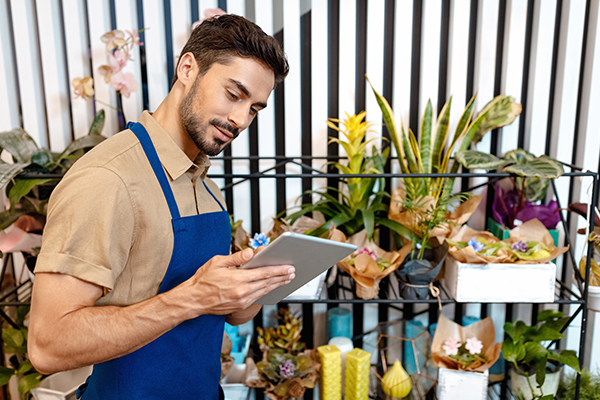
370,264
529,243
464,354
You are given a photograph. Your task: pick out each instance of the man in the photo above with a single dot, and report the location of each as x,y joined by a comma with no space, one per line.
134,275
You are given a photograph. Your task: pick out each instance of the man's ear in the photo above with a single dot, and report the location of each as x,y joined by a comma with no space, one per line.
187,69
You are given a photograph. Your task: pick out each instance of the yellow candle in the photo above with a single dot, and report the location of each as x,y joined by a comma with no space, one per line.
331,372
357,375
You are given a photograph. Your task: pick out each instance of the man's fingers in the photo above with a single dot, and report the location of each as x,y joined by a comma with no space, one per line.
236,259
264,273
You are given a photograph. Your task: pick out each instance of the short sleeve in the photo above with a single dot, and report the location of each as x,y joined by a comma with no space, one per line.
90,227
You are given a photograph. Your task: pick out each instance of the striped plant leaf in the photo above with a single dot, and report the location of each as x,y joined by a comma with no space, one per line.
472,159
542,167
19,144
426,140
441,135
9,171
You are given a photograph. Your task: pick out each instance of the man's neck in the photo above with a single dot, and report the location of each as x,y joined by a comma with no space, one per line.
167,115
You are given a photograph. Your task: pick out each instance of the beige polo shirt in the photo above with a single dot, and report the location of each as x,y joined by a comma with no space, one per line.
108,220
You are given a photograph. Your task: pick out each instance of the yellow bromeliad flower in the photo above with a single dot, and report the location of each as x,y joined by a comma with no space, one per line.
354,129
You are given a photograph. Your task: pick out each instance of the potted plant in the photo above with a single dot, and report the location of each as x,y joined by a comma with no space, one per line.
422,204
28,181
515,201
535,369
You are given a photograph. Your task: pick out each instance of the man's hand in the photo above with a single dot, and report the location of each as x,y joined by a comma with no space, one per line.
219,289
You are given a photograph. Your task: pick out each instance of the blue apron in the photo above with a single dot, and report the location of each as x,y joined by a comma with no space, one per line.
183,363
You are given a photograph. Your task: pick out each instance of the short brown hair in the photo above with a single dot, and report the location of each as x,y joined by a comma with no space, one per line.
218,39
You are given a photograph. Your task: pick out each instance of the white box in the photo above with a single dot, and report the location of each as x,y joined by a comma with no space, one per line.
232,384
453,385
62,385
499,283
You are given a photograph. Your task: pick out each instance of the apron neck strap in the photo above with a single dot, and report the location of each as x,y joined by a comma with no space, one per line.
142,135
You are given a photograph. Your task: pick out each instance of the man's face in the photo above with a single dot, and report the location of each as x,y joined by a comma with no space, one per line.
224,101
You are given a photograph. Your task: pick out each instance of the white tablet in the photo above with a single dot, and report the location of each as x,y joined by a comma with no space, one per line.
310,256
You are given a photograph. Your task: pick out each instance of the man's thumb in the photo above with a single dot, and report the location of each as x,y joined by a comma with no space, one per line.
241,257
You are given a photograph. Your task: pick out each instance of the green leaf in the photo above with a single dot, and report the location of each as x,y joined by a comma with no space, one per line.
9,171
472,159
396,227
441,135
22,312
41,157
513,351
534,351
369,222
503,112
567,357
5,375
540,374
542,167
546,333
24,367
426,130
19,144
516,330
97,123
28,382
9,217
13,337
22,187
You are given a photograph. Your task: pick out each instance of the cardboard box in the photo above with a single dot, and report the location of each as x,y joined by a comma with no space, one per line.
453,385
499,283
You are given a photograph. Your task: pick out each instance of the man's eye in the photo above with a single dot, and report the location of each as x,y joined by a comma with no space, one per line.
233,96
253,111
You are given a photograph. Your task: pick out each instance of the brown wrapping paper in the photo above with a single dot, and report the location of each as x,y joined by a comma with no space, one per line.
410,219
365,271
532,230
482,330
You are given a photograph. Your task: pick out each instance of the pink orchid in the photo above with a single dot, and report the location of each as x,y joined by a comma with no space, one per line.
83,88
124,83
209,13
474,346
135,38
368,252
114,39
451,346
118,60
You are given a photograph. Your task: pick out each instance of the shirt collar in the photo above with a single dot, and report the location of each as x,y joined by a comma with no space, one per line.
172,157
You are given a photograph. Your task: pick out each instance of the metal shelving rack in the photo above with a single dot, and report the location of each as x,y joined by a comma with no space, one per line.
343,292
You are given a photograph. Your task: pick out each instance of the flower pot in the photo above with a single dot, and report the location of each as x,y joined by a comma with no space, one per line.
522,390
594,298
416,275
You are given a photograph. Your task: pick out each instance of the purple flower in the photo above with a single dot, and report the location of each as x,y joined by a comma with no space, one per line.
547,214
505,206
520,246
476,245
287,369
259,240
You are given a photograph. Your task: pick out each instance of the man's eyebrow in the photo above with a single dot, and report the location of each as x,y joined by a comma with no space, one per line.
245,90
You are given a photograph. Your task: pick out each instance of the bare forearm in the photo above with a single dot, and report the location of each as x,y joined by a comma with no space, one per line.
91,335
241,317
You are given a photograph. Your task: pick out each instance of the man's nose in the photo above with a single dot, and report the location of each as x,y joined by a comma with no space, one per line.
240,117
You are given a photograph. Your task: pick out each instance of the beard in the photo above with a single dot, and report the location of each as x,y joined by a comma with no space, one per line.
197,129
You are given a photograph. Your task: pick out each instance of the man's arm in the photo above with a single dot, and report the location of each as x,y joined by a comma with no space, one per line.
66,331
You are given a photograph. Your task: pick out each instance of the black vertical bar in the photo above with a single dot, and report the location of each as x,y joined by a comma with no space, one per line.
459,310
333,58
113,14
388,91
306,97
89,43
444,40
552,91
484,310
433,314
307,325
280,136
535,310
358,314
168,40
473,14
63,38
526,72
194,11
494,146
222,4
361,55
143,69
254,183
415,80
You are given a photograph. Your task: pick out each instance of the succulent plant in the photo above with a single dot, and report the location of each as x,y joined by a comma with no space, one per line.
286,336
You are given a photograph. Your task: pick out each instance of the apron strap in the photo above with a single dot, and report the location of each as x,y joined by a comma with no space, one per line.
142,135
214,197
